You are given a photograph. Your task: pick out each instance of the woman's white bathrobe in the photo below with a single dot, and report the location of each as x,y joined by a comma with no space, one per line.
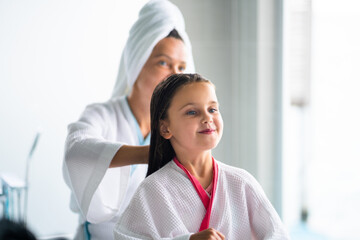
100,194
167,206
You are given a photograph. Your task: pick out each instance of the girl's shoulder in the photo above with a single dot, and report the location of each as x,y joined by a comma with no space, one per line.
163,178
231,170
235,174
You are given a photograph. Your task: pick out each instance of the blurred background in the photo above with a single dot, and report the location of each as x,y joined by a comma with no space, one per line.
287,75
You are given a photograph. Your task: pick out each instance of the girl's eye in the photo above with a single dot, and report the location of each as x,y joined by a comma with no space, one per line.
191,113
162,63
212,110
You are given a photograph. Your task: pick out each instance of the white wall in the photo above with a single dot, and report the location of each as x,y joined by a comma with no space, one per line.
55,57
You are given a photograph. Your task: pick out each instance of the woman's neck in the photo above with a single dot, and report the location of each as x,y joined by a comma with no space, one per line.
200,166
140,107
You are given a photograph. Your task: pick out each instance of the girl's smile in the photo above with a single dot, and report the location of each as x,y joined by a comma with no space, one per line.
207,131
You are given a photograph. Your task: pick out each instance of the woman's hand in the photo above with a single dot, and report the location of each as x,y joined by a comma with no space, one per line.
208,234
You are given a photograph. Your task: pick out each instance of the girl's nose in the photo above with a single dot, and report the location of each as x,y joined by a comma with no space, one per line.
207,118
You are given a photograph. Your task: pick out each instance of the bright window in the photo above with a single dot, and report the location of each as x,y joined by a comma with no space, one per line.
322,116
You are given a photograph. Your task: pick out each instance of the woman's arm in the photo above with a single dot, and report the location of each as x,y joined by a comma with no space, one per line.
128,155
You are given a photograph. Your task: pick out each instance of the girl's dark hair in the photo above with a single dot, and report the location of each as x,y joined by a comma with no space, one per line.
174,33
161,152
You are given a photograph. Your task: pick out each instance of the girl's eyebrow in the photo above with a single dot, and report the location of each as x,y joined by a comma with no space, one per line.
194,104
188,104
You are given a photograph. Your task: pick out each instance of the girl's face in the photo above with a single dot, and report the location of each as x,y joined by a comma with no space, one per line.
168,57
194,122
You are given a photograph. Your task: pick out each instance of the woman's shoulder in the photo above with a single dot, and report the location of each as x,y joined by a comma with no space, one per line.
109,109
107,105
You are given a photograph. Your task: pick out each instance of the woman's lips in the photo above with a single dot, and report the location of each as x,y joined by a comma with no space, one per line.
207,131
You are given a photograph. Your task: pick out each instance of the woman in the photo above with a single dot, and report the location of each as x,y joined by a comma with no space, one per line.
104,145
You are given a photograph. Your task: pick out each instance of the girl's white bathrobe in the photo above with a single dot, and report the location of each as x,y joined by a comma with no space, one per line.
167,206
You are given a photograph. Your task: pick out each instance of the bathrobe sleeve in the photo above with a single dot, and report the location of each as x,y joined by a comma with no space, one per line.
265,223
91,144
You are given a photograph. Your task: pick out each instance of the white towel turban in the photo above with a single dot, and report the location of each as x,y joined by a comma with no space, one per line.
156,20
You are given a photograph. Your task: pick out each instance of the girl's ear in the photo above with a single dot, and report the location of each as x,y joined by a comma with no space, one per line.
164,130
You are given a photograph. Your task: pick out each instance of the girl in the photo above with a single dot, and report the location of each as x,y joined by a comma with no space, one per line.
188,194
